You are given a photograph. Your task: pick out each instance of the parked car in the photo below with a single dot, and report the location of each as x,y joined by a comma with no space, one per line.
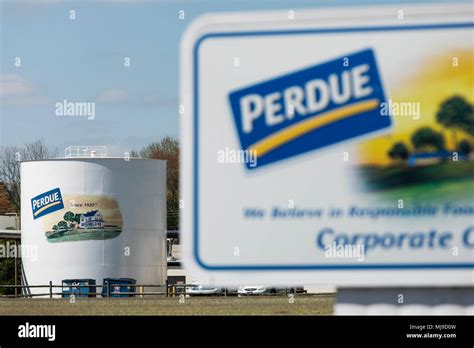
202,290
265,290
257,290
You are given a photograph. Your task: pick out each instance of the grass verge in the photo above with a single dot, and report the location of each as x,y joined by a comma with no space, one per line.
275,305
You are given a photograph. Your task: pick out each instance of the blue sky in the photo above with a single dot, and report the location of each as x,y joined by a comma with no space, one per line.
82,60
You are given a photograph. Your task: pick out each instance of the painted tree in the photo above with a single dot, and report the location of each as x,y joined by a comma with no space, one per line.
426,137
77,218
470,127
456,113
69,216
399,151
464,147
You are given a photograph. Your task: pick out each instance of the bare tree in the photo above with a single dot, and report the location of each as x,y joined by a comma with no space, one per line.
10,159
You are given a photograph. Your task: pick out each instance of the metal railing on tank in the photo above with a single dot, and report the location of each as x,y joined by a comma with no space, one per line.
85,151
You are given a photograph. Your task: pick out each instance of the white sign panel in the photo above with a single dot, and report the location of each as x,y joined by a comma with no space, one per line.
330,146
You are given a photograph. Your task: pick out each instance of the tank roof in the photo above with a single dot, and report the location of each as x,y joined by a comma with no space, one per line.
92,159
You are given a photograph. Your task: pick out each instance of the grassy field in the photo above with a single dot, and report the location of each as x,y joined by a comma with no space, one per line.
275,305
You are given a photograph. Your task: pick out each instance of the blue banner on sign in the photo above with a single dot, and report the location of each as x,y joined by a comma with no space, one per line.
310,108
46,203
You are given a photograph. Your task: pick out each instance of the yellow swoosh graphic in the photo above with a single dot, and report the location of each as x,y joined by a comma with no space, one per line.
284,136
46,207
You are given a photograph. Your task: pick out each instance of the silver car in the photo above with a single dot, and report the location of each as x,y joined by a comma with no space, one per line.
257,290
265,290
202,290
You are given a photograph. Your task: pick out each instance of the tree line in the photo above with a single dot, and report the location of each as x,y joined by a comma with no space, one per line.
455,114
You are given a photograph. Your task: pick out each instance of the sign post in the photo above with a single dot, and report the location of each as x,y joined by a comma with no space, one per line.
317,147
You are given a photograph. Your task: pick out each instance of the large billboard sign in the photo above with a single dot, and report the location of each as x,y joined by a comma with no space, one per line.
331,146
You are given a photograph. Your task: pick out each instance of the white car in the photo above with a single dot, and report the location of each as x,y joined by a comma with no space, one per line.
257,290
264,289
202,290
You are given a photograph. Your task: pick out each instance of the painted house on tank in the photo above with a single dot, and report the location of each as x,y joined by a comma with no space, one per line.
92,219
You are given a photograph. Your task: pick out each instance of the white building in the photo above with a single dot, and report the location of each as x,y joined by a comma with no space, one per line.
92,219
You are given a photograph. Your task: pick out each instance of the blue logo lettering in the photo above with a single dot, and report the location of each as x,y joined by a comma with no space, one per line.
46,203
310,108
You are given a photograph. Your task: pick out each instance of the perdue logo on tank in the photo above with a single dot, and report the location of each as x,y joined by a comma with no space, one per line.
46,203
310,108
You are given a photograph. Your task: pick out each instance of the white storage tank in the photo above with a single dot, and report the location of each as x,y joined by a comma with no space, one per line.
93,218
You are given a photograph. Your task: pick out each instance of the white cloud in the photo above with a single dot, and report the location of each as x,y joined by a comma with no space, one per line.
113,96
18,91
